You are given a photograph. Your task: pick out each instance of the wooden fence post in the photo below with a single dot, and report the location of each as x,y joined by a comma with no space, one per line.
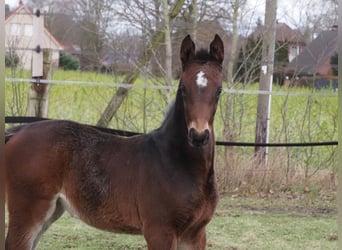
41,69
39,92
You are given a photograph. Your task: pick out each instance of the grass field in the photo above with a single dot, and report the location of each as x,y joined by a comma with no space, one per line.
303,114
239,223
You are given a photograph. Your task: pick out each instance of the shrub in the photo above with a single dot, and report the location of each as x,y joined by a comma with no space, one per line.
68,62
11,59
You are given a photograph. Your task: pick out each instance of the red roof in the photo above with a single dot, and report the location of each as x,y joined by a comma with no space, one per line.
283,33
21,5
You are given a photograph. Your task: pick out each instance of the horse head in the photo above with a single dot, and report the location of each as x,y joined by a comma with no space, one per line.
200,88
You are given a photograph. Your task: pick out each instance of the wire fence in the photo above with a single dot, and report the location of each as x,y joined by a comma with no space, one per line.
165,87
303,132
142,96
27,119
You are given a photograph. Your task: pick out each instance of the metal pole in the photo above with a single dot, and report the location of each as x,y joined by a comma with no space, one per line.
268,117
266,78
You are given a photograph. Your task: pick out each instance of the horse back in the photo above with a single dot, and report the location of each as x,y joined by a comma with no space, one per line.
110,182
97,174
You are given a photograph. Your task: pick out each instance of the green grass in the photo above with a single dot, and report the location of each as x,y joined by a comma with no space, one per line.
142,111
69,233
251,230
243,223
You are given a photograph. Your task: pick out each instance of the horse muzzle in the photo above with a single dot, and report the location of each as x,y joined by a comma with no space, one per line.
198,138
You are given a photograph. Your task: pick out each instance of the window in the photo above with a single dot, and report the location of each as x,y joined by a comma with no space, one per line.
28,30
15,29
294,51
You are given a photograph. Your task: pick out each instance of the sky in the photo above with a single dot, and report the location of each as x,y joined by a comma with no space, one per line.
282,4
287,10
12,3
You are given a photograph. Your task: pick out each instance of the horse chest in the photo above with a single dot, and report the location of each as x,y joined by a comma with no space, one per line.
198,206
207,206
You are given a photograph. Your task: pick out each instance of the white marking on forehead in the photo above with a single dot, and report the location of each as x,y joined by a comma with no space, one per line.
201,80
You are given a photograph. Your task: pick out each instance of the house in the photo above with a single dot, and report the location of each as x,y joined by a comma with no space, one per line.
315,58
19,37
313,66
294,39
288,44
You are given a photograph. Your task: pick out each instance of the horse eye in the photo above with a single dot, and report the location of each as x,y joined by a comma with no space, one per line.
219,91
182,89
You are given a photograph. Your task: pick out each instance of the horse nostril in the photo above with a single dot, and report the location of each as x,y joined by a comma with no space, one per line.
191,132
199,138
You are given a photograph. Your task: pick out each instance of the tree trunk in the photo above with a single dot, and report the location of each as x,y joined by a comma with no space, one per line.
117,99
168,51
229,130
194,17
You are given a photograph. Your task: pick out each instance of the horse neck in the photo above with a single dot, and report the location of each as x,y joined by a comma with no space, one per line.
174,129
174,133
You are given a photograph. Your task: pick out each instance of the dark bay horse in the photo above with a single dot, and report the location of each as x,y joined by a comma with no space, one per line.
161,184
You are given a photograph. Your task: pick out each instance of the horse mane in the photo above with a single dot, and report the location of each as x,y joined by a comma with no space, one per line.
168,115
12,131
202,56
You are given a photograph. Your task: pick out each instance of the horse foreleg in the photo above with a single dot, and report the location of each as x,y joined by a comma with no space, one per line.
160,238
197,241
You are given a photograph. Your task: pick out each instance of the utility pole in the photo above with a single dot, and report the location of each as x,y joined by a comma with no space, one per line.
266,78
230,125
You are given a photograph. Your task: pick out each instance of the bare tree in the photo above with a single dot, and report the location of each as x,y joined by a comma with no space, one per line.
120,95
193,11
312,17
229,130
168,50
94,17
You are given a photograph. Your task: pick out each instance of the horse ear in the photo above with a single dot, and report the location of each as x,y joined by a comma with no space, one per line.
217,49
187,51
